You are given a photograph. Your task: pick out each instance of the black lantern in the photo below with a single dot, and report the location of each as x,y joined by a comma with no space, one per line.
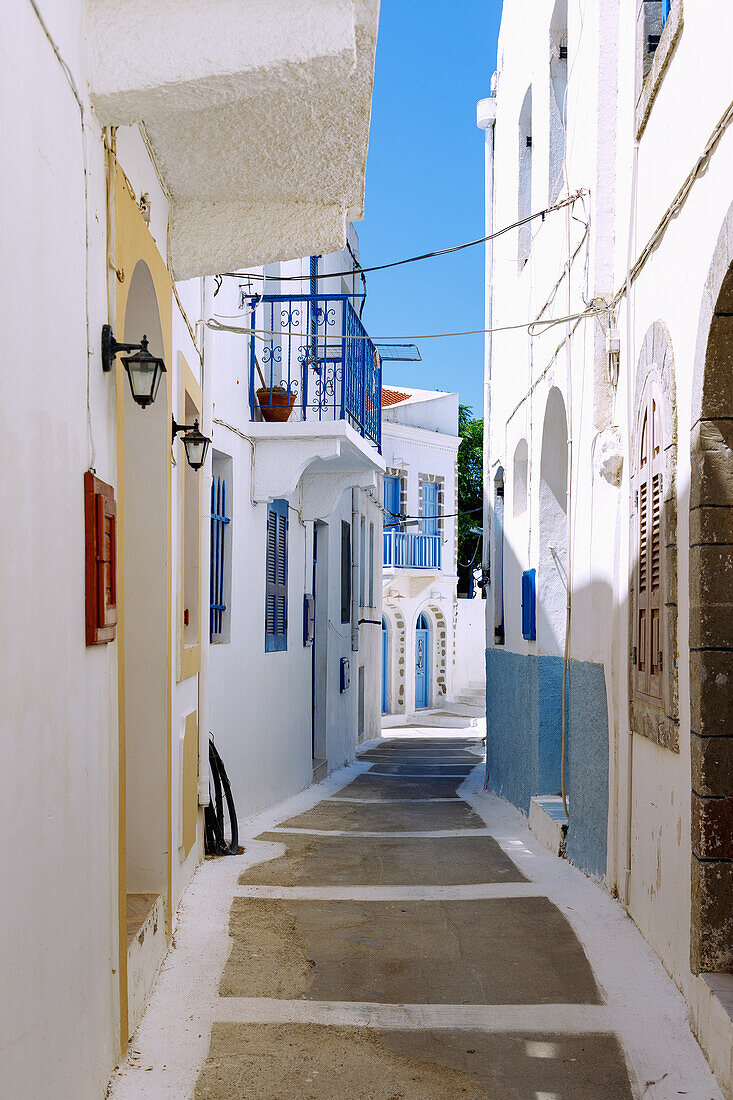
144,370
195,443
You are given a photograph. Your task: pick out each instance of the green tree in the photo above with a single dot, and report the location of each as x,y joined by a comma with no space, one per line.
470,494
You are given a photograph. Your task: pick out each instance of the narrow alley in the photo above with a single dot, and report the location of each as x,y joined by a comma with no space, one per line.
397,932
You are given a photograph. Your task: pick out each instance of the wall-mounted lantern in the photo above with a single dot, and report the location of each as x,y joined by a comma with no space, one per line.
194,442
143,369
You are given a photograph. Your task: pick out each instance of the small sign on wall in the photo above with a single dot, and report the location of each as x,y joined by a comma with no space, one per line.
345,674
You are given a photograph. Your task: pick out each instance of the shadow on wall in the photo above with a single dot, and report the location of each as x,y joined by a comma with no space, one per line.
524,725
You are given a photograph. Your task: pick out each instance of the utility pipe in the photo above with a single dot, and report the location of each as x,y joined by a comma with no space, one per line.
355,551
204,595
485,120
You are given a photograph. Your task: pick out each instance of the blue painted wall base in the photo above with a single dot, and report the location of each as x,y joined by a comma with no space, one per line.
524,738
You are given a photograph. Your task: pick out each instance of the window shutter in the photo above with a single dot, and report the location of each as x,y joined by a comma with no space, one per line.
649,611
345,572
276,577
100,518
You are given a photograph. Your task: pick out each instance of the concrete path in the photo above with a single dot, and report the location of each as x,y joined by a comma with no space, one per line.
397,933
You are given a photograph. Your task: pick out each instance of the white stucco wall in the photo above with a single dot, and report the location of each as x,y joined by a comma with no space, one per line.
694,93
470,646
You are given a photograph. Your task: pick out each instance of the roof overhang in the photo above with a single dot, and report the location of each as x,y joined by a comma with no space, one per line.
257,114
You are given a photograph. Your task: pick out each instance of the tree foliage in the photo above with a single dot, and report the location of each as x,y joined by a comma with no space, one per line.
470,494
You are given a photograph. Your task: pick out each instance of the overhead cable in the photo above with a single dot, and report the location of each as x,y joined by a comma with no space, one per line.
534,328
569,201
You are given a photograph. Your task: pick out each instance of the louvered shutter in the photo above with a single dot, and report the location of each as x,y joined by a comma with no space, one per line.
276,579
649,608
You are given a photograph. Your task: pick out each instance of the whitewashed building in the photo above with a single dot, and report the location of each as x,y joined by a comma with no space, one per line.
137,134
295,658
420,492
608,461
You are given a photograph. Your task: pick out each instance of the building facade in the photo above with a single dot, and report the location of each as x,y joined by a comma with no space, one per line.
310,646
130,167
607,461
420,492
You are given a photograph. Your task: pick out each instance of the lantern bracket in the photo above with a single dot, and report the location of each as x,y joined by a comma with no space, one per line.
112,348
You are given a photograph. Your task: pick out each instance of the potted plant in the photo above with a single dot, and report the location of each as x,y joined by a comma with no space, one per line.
276,403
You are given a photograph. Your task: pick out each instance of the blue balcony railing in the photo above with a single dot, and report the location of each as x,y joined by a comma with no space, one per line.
405,550
313,353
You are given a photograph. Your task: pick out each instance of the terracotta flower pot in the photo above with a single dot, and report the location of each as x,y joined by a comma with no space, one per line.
276,404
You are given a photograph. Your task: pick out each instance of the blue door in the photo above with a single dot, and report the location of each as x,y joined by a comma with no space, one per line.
422,635
385,641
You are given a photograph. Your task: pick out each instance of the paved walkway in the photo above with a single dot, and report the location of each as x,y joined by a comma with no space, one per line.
396,933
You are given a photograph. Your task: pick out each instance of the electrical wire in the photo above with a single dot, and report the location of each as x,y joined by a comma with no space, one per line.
534,328
425,255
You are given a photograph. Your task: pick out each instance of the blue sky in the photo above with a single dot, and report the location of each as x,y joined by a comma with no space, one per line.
424,187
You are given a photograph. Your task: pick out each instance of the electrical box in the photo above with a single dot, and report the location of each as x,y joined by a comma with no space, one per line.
529,600
309,619
345,674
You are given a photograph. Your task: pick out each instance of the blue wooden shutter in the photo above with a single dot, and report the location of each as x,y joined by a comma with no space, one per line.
529,629
391,501
430,507
219,520
276,579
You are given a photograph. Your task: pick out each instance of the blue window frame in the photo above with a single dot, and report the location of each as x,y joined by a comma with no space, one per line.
666,8
276,577
430,508
219,521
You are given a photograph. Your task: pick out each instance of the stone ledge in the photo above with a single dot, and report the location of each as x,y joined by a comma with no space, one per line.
548,823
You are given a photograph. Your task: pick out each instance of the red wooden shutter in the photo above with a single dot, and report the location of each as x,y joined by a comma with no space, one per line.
100,516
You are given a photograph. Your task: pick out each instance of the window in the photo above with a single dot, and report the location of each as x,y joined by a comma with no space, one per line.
345,572
371,565
430,512
649,641
362,562
276,583
220,556
100,514
659,25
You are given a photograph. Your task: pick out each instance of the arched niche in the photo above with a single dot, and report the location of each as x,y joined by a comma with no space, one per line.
553,527
558,49
524,182
146,596
520,478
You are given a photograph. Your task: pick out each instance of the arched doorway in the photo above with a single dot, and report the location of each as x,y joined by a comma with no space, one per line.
422,662
711,623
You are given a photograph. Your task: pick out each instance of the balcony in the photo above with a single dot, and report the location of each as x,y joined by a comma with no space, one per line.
316,349
315,394
407,550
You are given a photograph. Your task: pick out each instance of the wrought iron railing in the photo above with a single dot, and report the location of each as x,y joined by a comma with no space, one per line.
407,550
312,355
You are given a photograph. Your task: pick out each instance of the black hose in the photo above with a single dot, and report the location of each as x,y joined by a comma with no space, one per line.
215,843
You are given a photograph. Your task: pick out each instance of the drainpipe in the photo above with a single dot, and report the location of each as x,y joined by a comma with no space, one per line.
485,120
355,550
204,596
630,371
